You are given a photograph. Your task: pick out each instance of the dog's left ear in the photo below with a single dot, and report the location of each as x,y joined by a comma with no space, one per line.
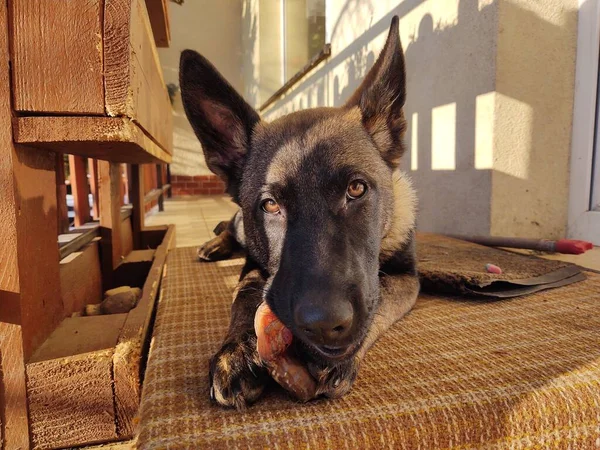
381,96
220,117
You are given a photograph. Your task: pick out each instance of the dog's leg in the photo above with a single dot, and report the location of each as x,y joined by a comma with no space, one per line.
230,237
398,296
237,377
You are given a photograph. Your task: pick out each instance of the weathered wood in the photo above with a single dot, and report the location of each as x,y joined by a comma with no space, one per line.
110,218
57,56
133,342
126,236
81,279
79,189
115,139
159,185
13,400
152,237
137,200
81,335
37,253
71,398
158,11
93,169
134,86
62,213
76,239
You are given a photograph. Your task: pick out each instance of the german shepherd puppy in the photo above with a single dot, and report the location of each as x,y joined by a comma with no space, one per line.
326,219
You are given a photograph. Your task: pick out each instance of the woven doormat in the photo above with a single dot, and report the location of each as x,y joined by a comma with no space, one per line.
452,266
455,373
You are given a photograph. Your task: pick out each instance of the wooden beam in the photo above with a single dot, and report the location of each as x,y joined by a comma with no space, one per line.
159,185
133,342
79,189
77,239
115,139
93,169
57,56
61,195
138,202
134,85
109,178
158,11
14,428
29,276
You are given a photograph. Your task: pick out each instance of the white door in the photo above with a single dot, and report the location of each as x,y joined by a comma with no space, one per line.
584,197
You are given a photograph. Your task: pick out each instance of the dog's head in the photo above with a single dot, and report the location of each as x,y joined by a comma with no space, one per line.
322,203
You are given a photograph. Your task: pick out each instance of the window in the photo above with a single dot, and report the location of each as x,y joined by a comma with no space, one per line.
584,201
291,40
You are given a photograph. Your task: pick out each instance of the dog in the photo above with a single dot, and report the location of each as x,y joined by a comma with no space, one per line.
326,218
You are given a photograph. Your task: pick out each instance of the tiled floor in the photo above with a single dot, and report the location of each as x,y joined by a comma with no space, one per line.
196,217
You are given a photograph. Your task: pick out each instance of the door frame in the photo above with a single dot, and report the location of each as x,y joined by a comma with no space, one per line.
583,223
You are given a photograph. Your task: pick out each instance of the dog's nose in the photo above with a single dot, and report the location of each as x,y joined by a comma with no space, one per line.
325,325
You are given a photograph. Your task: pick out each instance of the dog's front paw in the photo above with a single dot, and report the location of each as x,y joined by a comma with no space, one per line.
218,248
237,378
335,381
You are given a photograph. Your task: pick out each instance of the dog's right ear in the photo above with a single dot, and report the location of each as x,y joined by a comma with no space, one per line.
220,117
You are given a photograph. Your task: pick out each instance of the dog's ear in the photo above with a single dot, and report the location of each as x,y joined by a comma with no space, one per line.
381,96
220,117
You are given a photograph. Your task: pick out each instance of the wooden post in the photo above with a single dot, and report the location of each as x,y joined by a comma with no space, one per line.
79,189
13,396
109,179
159,185
61,195
137,201
93,169
30,296
169,191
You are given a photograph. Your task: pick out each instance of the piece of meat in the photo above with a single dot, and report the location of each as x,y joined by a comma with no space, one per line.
273,346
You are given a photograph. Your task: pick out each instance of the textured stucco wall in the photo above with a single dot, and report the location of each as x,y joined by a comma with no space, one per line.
533,117
213,28
490,88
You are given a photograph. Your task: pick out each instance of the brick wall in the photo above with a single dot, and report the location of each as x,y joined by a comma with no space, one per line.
196,185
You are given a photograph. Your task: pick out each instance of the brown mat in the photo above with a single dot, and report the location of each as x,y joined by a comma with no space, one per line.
518,373
452,266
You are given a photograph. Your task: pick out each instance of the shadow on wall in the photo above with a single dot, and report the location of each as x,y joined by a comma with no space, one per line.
461,79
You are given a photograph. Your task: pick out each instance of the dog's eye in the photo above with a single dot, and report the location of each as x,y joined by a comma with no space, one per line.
356,189
270,206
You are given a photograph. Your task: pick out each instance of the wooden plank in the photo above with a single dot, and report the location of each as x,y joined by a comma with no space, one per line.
93,169
126,237
110,218
79,189
13,399
29,283
115,139
158,11
9,272
38,257
57,56
137,200
77,239
133,343
159,185
80,335
80,279
134,86
62,211
71,400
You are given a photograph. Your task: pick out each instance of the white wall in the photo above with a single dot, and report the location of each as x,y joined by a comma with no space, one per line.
485,77
214,29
